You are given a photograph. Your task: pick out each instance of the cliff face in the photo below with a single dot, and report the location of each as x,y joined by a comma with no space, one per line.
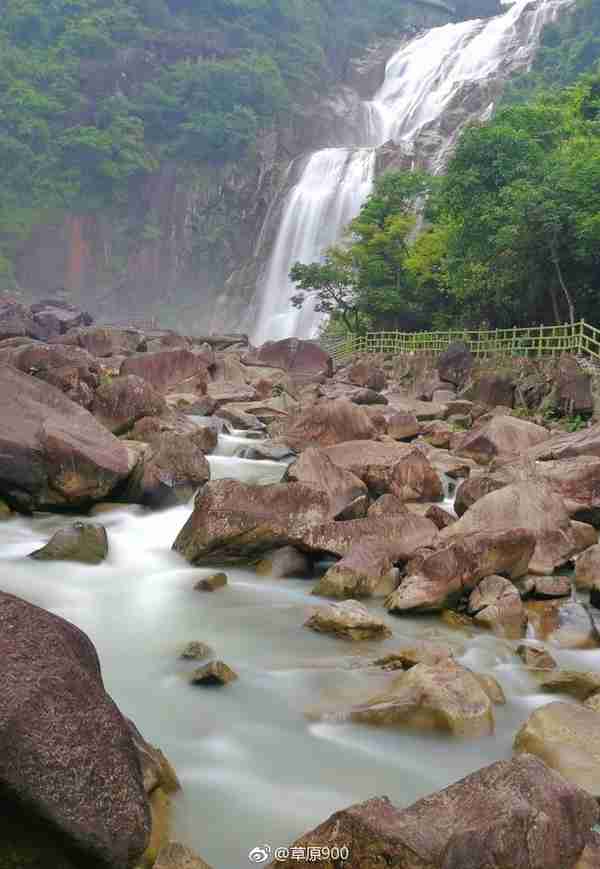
187,246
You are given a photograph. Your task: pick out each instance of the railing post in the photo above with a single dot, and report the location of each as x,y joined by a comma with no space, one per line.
581,337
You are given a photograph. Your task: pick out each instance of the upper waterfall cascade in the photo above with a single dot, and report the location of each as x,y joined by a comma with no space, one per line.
423,79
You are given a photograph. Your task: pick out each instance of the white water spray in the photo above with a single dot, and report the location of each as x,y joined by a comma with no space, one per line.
430,75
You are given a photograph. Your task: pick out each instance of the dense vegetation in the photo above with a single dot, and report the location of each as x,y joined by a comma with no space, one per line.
512,229
95,93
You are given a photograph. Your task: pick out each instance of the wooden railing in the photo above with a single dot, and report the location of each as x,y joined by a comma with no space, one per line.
577,338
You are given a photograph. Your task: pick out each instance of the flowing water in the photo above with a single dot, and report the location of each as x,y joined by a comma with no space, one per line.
448,68
254,768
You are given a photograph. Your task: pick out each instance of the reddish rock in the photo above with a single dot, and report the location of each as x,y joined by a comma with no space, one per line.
401,426
503,436
437,433
103,341
52,451
587,568
496,603
233,521
475,487
441,518
568,446
372,461
349,620
531,505
495,390
367,570
121,402
515,813
402,535
455,364
329,422
313,468
74,371
167,368
387,505
573,389
299,358
368,375
55,316
437,580
413,479
69,770
171,469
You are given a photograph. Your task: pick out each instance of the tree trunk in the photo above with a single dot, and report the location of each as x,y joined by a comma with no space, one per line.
555,310
559,275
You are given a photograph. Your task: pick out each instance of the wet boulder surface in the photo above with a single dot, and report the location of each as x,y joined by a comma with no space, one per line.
70,777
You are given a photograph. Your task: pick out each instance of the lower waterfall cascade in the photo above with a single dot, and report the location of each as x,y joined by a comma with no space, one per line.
428,75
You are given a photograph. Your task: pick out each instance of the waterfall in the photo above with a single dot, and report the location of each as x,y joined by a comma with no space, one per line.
433,84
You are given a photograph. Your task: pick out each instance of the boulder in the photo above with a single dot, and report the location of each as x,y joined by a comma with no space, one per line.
403,425
371,461
75,372
315,469
421,652
564,624
545,587
213,673
422,410
212,582
223,393
443,396
52,451
401,535
530,505
579,685
444,696
495,390
177,856
17,321
573,388
328,422
593,702
73,793
301,359
103,341
536,659
475,487
568,446
515,813
204,436
349,620
157,772
437,580
168,368
366,571
367,375
587,568
86,542
441,518
121,402
55,316
565,736
284,562
387,505
234,521
438,433
590,859
496,603
501,436
367,397
455,364
171,469
413,479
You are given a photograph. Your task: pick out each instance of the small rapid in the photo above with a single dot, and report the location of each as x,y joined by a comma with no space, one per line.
254,769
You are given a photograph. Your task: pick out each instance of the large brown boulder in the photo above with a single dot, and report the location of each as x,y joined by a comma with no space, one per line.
16,320
573,388
437,580
476,486
329,422
368,375
565,736
56,316
402,424
122,401
104,341
373,462
515,813
492,389
52,451
233,521
301,359
568,446
70,776
349,620
455,364
366,571
401,535
314,468
171,469
532,505
414,479
501,436
165,369
72,370
587,568
496,603
444,696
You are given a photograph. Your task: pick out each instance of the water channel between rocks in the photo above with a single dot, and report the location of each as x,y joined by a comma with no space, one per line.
254,768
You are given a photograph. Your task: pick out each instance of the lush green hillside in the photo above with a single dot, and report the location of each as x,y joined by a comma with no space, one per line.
95,93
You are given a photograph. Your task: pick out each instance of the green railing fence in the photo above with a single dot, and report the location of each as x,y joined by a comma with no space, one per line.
578,338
